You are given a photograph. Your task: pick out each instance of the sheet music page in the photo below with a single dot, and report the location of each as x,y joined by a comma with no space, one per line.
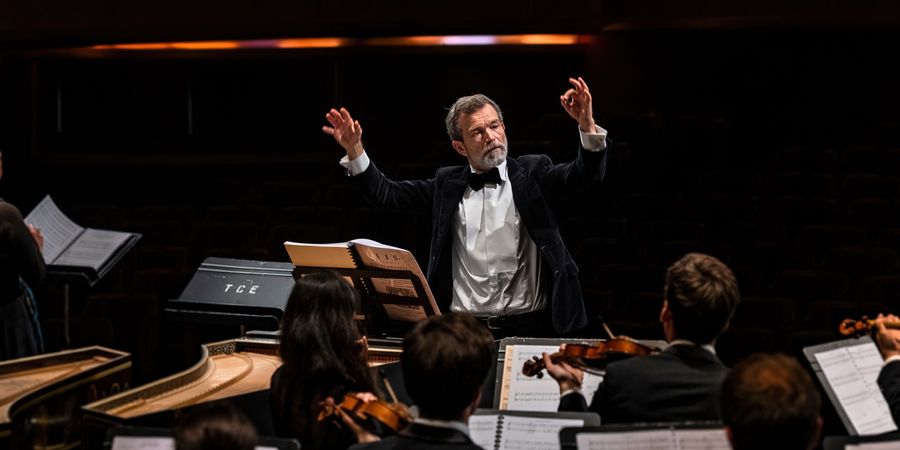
626,440
533,433
58,230
143,443
521,393
702,439
852,373
92,248
885,445
374,254
332,256
483,430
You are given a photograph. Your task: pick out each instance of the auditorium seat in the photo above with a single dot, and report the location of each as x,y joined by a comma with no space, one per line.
874,213
805,158
290,193
737,343
771,313
807,286
861,262
870,186
870,160
883,289
258,214
827,315
805,184
803,210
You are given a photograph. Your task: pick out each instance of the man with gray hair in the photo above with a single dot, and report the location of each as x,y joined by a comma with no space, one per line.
496,250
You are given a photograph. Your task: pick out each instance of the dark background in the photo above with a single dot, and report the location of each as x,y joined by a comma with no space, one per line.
765,134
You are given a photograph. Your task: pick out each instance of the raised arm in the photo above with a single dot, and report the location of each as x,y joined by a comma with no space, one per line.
346,131
578,104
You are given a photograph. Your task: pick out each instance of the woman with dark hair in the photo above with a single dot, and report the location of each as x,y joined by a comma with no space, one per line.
21,269
324,357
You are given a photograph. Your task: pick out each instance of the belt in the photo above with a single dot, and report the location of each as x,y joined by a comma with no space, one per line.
533,319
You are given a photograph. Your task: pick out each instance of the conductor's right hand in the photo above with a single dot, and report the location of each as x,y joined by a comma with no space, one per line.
346,131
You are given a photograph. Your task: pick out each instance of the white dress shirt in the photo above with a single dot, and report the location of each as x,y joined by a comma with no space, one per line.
496,265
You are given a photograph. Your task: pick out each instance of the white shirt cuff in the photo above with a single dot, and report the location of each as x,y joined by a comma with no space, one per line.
570,391
892,359
357,166
593,142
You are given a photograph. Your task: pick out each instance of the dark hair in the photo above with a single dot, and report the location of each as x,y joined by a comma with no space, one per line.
445,361
769,401
467,105
322,353
216,425
702,294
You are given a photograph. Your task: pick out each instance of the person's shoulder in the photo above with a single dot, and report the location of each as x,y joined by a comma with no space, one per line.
8,211
533,160
446,171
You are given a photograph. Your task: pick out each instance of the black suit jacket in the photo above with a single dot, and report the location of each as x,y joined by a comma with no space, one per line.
535,180
680,384
889,382
418,436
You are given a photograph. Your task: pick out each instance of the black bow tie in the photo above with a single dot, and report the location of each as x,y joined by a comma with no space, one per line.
477,180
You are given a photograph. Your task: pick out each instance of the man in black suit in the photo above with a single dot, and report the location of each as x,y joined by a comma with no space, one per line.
445,361
682,382
769,402
496,250
888,340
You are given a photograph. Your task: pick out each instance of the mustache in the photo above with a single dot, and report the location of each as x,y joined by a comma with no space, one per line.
499,145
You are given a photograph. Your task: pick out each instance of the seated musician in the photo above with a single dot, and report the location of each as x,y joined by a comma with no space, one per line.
324,358
216,425
445,361
769,401
888,340
682,382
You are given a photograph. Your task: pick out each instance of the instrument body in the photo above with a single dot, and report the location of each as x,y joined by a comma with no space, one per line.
851,327
394,416
589,357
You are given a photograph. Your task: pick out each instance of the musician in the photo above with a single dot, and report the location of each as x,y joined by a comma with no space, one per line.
324,358
770,402
218,425
445,361
496,250
22,269
682,382
888,340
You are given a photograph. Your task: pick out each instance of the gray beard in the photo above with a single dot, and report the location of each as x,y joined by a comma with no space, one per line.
493,158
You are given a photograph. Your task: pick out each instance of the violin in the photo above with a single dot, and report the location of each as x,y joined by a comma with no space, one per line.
850,327
589,358
393,415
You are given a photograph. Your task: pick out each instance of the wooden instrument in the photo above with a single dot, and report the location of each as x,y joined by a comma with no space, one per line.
589,357
40,396
851,327
393,415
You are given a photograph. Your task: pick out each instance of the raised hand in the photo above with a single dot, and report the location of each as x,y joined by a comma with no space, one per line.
567,376
577,102
346,131
38,237
888,339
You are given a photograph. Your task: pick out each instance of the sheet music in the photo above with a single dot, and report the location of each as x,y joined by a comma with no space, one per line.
92,248
58,230
852,373
522,393
483,430
626,440
684,439
334,256
533,433
704,439
380,256
143,443
886,445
